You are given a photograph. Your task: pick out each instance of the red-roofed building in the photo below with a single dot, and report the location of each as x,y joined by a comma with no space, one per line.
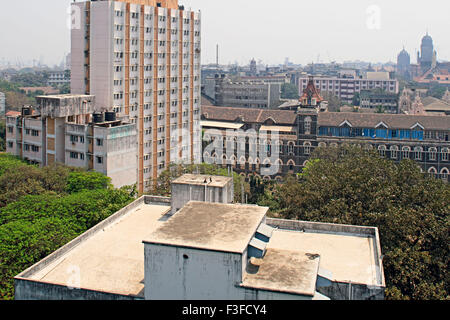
311,96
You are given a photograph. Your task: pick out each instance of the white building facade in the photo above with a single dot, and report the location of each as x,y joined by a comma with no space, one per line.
345,88
141,58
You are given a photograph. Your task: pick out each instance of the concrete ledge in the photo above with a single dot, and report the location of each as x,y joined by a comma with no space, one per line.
156,200
306,226
36,290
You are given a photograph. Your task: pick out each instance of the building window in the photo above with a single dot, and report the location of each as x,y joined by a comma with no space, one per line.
99,142
291,148
99,160
307,147
307,125
432,153
445,154
382,150
418,153
394,152
405,152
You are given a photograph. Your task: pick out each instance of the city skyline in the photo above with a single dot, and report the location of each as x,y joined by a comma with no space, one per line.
261,31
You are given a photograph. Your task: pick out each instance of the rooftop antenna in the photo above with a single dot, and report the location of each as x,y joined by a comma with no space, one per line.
217,56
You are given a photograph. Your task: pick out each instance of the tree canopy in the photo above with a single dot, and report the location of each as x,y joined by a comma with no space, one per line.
289,91
348,185
41,209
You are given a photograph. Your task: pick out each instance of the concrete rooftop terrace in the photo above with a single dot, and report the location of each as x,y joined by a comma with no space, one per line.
211,226
195,179
347,255
109,257
284,271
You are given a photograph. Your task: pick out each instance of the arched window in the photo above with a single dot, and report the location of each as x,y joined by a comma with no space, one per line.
242,162
322,144
432,171
308,125
382,150
291,165
445,154
291,148
307,148
418,153
279,145
432,153
394,152
405,152
444,174
279,163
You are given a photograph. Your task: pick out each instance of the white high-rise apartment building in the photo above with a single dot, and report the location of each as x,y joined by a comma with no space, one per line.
141,58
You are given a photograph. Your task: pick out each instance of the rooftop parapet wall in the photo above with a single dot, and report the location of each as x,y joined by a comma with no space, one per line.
337,229
59,106
109,221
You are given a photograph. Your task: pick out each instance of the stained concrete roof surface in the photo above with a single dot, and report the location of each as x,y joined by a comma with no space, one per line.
112,260
285,271
197,179
211,226
347,257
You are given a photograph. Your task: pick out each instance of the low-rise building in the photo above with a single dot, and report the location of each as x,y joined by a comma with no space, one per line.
379,101
209,251
59,77
251,93
347,84
68,129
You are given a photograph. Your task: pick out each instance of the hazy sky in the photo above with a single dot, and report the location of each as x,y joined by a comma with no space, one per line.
270,31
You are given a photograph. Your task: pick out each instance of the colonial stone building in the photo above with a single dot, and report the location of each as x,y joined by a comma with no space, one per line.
422,138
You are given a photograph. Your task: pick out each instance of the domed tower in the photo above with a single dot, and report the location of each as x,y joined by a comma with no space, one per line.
404,64
427,52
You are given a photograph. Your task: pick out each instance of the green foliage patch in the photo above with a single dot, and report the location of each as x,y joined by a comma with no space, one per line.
42,209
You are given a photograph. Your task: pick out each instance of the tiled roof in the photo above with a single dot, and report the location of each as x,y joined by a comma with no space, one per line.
248,115
394,121
12,114
329,119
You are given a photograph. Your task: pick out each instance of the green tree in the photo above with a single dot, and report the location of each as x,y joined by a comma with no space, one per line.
347,185
80,181
35,226
356,99
334,103
289,91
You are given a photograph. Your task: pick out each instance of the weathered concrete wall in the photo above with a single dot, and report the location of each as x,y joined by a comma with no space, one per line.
156,200
320,227
352,291
183,193
65,105
32,290
175,273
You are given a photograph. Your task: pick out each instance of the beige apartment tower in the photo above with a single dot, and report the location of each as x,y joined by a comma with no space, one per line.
141,59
